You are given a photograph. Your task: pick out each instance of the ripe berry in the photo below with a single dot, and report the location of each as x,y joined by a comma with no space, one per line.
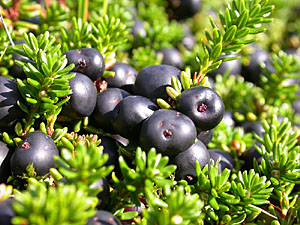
124,78
87,61
151,82
253,71
203,105
104,195
37,149
10,112
130,113
6,212
189,40
172,57
84,96
186,160
253,126
226,161
138,30
185,8
104,218
5,155
106,102
169,131
205,136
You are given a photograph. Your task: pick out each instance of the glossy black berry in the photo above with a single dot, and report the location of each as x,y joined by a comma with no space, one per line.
151,82
252,71
111,148
87,61
104,218
104,195
172,57
253,126
6,212
226,161
138,30
130,113
186,160
203,105
205,136
10,112
84,97
37,149
228,119
124,78
5,155
169,131
106,102
185,8
189,39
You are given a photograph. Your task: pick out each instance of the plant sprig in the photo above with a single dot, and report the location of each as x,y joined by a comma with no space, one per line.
240,20
46,87
82,163
61,205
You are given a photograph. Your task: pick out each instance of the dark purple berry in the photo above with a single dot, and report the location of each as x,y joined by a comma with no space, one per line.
172,57
111,148
138,30
5,155
106,102
87,61
226,161
253,126
186,161
6,212
203,105
252,71
185,8
169,131
84,96
10,112
189,40
37,149
151,82
130,113
104,218
124,78
104,195
228,119
205,136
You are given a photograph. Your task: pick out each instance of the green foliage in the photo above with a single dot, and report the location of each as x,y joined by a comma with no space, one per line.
108,34
77,37
144,56
161,33
231,202
280,152
121,9
177,208
237,94
232,140
5,191
276,86
57,15
47,80
82,164
55,205
240,20
151,167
